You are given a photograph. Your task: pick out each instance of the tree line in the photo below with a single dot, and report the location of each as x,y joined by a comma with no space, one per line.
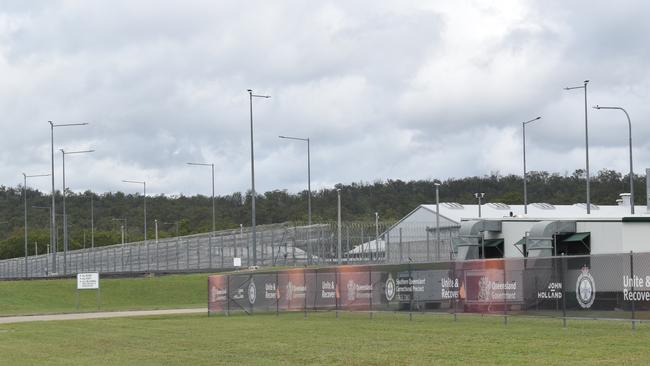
391,199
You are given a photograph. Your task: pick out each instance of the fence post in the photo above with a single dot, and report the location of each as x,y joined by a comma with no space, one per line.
428,250
410,283
304,283
336,289
505,297
400,246
564,270
453,298
228,295
363,251
370,283
408,248
632,277
272,248
347,244
387,247
277,294
261,242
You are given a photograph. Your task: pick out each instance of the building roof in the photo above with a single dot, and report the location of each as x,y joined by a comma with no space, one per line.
457,212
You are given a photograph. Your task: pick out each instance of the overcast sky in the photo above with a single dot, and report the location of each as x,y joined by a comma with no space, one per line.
385,90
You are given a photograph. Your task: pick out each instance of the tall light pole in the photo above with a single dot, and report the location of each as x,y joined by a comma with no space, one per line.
144,197
629,125
251,95
308,173
65,217
308,188
523,127
338,205
53,213
479,196
584,86
25,176
437,184
211,165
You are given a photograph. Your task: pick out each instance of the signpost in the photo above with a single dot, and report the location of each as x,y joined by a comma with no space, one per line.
88,281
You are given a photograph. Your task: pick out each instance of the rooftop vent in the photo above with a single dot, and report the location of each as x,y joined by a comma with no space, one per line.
453,205
544,206
625,200
498,206
584,206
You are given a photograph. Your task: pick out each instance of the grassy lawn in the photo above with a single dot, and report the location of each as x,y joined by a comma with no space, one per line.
353,339
59,296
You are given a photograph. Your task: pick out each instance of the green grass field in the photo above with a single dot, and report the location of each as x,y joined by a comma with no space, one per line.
59,296
321,339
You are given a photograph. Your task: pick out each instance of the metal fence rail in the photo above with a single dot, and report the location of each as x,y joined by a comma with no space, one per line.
278,244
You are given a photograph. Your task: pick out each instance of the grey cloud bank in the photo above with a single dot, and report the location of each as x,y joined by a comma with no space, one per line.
400,90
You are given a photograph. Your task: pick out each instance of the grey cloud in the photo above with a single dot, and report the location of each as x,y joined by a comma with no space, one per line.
385,90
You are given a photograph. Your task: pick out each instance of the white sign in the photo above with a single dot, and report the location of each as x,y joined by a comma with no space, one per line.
236,262
87,281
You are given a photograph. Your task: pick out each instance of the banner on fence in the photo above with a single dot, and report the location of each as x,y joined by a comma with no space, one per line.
612,285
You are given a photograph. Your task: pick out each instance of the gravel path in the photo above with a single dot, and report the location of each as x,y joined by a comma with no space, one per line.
98,315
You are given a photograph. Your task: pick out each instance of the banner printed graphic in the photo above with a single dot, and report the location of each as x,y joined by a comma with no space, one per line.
603,284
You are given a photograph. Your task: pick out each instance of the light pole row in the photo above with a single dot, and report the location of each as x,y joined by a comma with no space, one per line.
53,213
588,190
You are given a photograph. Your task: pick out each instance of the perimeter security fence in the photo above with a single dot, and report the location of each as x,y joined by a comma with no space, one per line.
276,245
614,286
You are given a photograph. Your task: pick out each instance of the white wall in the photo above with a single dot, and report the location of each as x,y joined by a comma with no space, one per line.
606,237
512,232
414,226
636,237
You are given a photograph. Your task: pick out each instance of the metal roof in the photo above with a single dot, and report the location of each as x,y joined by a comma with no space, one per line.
456,212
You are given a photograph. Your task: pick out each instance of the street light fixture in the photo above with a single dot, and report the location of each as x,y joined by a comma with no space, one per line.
144,198
211,165
65,220
25,176
629,125
251,96
53,213
584,86
523,127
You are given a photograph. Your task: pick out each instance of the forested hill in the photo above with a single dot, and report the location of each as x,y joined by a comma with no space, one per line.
392,199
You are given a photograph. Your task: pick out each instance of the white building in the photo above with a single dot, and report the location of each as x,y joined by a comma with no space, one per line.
503,230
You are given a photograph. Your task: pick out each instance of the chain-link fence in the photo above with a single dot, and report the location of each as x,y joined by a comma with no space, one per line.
612,286
275,245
